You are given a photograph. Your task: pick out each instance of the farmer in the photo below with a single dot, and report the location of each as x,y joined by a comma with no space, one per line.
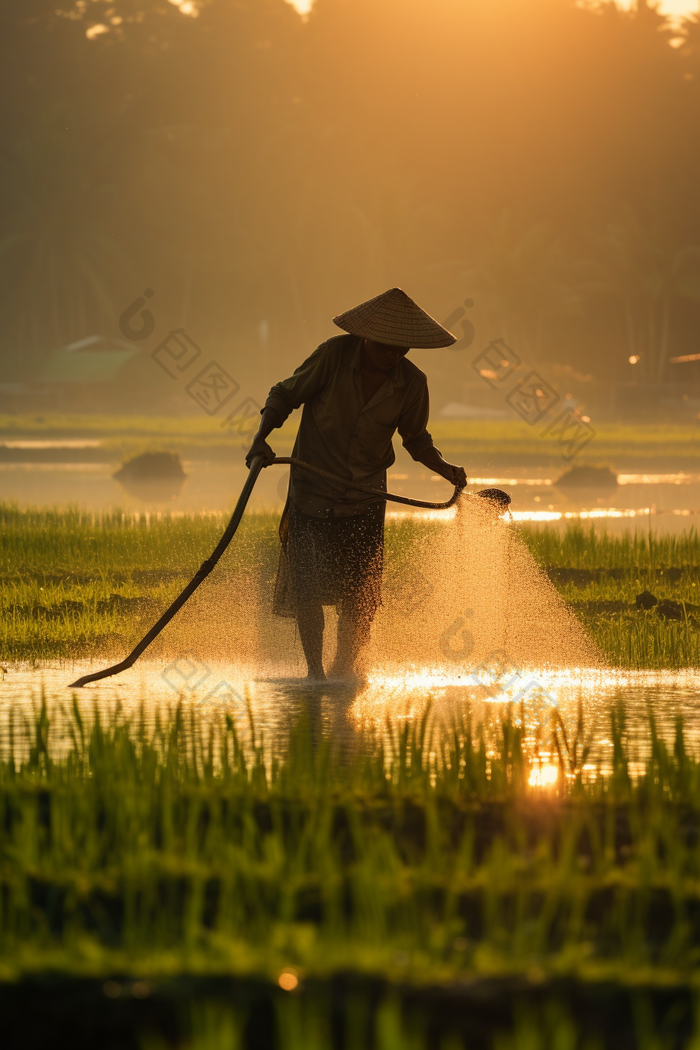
357,390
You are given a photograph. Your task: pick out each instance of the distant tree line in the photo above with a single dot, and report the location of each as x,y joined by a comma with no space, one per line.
262,172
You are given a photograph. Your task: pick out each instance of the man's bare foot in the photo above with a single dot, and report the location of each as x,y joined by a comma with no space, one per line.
354,678
342,671
316,676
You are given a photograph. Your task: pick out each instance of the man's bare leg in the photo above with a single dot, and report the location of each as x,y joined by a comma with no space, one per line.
354,625
310,622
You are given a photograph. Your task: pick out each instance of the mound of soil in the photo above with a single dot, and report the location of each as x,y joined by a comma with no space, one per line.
588,477
646,600
665,607
152,476
582,577
152,466
670,610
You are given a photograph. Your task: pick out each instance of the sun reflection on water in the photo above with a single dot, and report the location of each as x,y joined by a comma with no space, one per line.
543,776
579,515
439,698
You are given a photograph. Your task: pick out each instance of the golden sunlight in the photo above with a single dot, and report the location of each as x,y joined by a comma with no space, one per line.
676,8
302,6
187,7
544,776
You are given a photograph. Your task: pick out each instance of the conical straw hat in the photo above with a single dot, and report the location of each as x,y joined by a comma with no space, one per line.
394,318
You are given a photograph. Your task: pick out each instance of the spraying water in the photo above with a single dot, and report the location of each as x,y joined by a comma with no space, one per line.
479,596
458,594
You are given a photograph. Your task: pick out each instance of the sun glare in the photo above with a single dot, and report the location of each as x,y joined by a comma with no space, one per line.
544,776
676,8
302,6
187,7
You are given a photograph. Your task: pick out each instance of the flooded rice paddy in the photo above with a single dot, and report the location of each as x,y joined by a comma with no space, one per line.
372,710
490,801
531,654
666,500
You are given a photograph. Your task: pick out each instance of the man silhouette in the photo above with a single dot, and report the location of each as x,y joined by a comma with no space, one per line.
357,390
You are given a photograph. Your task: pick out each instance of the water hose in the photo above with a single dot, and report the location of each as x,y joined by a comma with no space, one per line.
256,465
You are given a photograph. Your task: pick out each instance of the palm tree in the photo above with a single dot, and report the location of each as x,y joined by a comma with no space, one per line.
521,280
646,271
59,259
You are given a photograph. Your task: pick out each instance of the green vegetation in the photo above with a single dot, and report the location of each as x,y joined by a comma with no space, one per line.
197,436
173,848
165,846
74,583
484,442
515,443
601,576
311,1020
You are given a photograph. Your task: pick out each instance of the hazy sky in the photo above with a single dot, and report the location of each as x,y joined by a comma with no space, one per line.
302,6
679,7
671,7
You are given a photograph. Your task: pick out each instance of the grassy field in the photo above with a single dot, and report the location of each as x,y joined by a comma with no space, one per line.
509,442
147,854
600,576
323,1023
193,437
73,583
416,892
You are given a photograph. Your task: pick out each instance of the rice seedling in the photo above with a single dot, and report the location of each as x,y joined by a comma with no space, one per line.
355,1021
641,552
73,583
482,441
194,436
605,578
177,849
342,1015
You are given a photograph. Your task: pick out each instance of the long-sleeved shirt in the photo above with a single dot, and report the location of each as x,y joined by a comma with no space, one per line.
343,435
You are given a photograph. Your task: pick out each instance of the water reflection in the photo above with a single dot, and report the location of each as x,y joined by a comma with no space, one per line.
352,715
545,774
581,515
665,500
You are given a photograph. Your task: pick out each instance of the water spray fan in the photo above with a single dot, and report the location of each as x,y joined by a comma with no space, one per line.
497,498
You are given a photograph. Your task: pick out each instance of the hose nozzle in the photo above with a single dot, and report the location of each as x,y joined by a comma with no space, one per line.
498,497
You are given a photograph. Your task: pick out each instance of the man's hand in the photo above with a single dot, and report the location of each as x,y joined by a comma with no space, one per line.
455,475
270,420
260,447
432,459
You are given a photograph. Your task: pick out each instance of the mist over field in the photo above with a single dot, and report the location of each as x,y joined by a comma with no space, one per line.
305,745
262,171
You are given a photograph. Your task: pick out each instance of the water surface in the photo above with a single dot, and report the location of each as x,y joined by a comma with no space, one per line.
378,706
666,501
